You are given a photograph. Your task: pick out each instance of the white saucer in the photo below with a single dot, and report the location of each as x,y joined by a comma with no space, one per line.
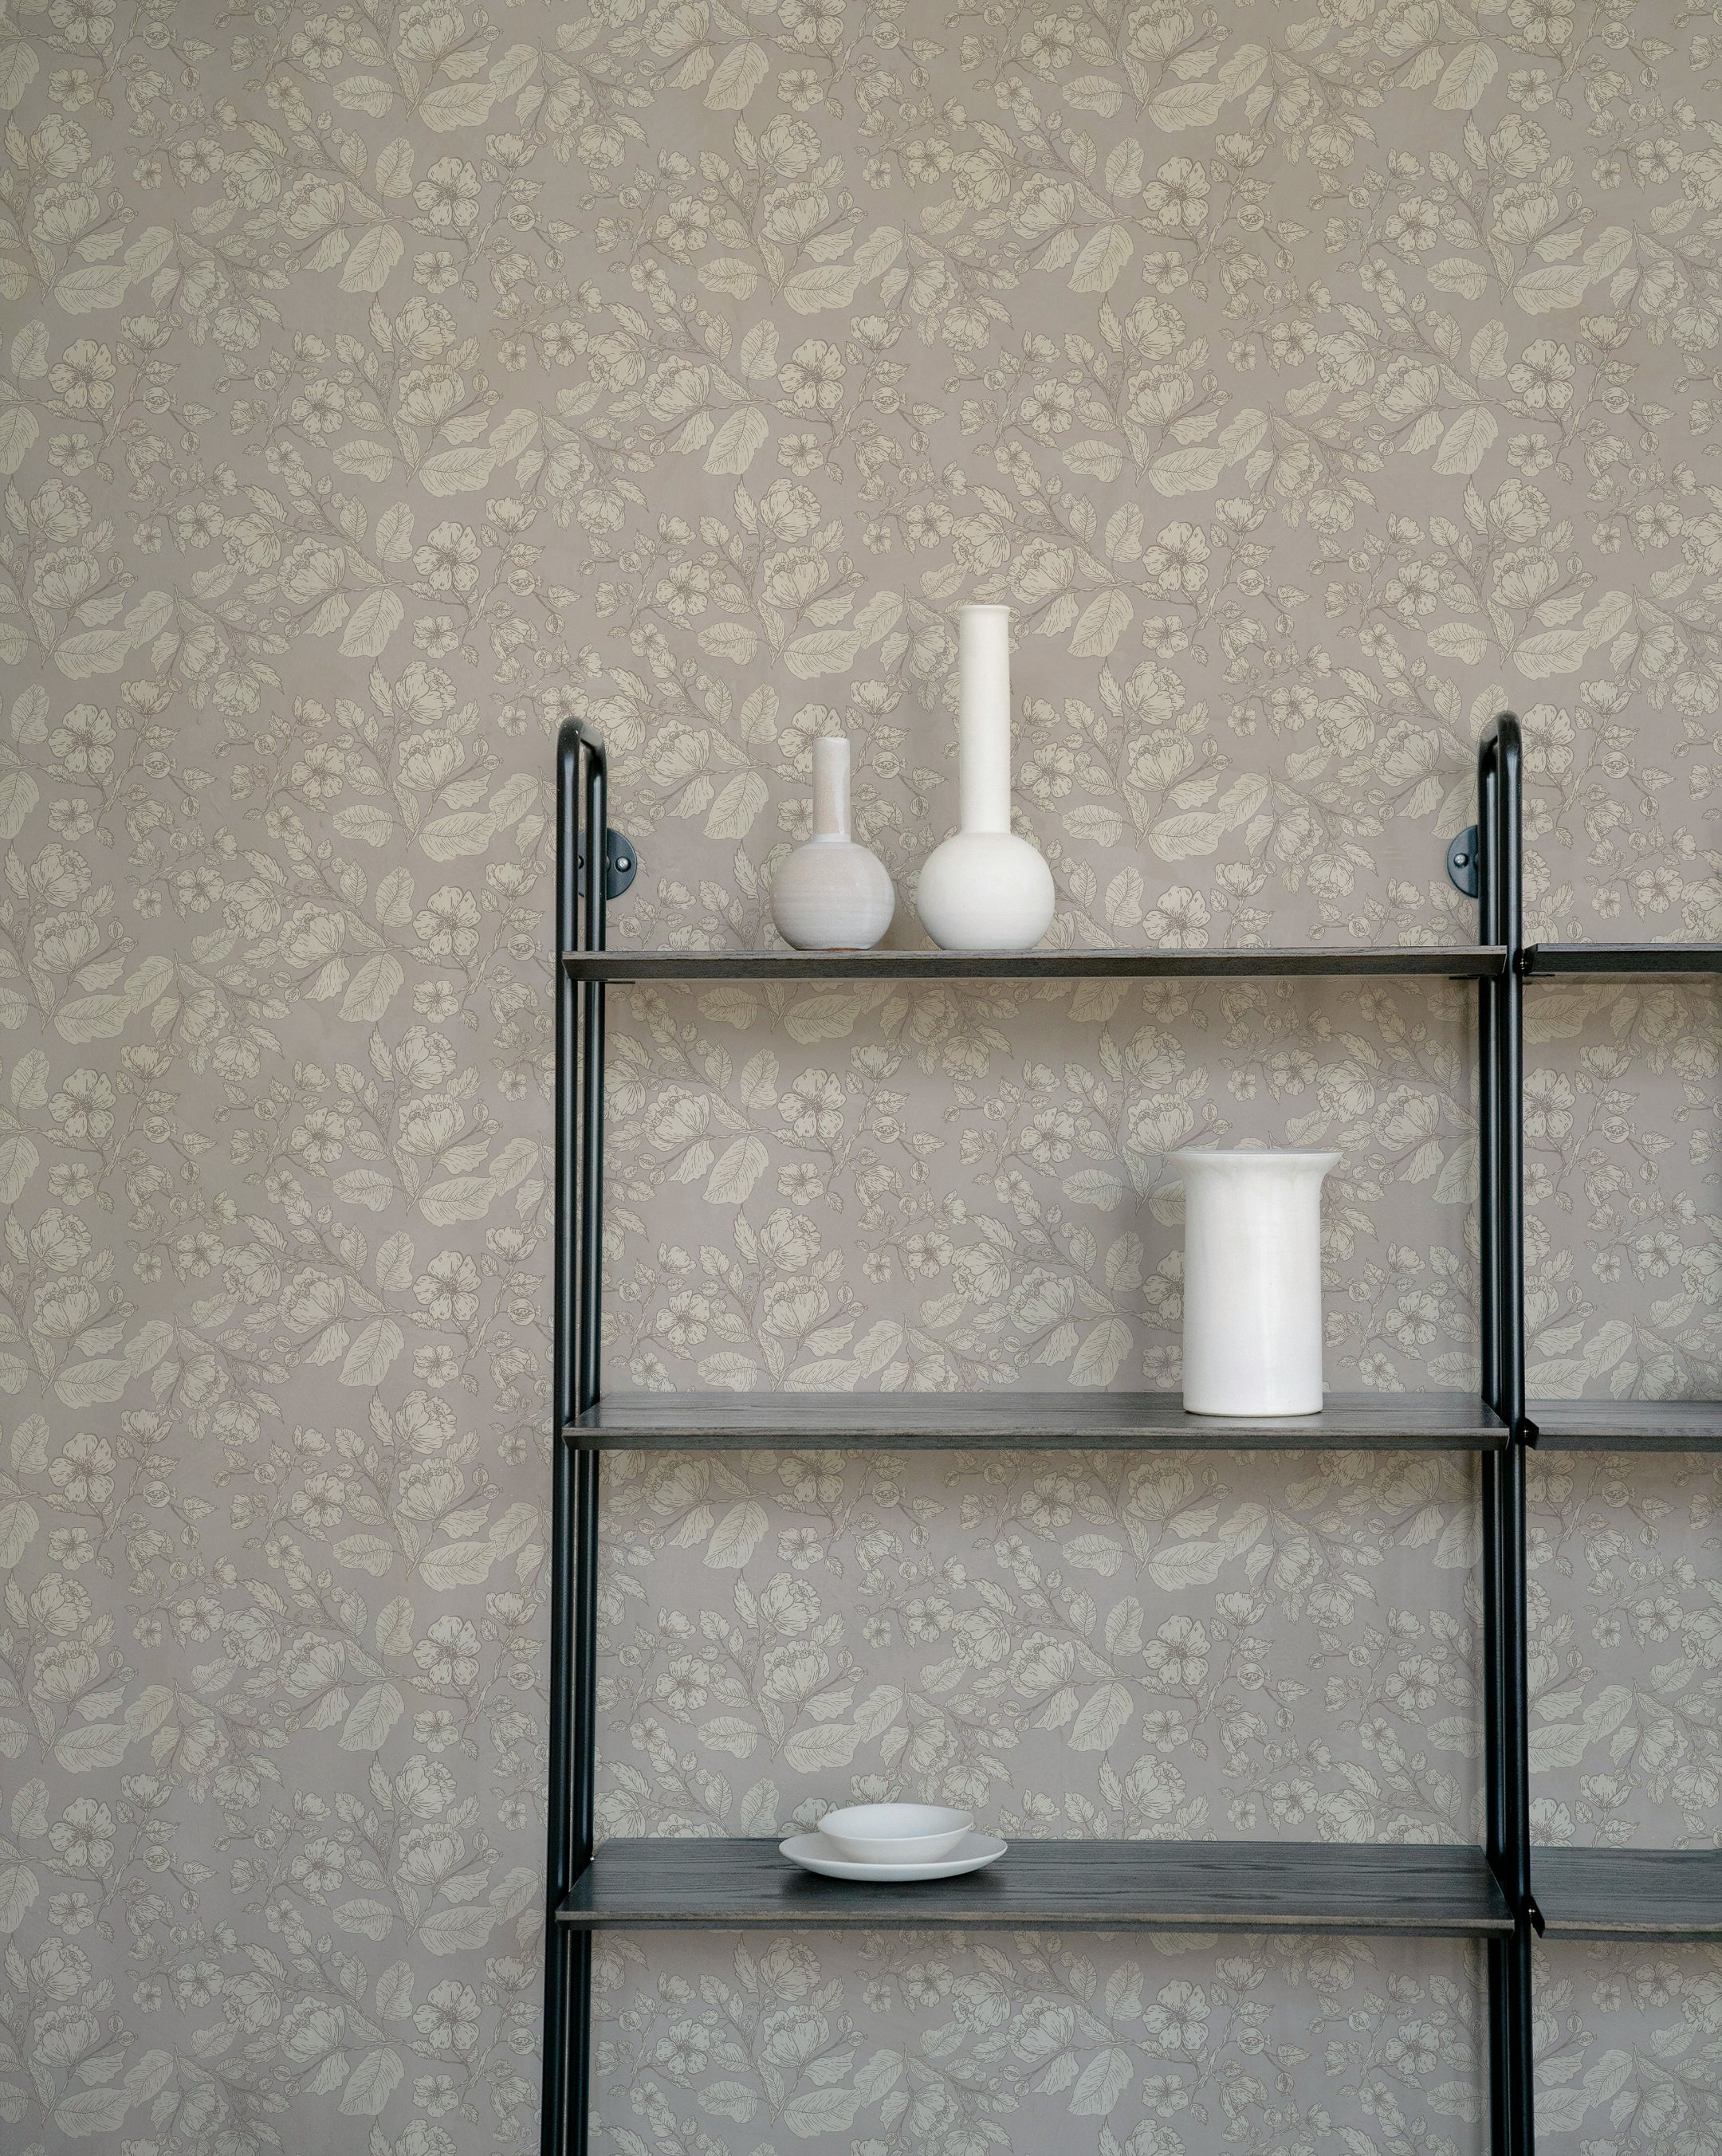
814,1853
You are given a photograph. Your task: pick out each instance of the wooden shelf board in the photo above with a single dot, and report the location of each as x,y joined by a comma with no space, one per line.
1462,962
1628,1893
1624,961
1096,1885
1066,1421
1627,1425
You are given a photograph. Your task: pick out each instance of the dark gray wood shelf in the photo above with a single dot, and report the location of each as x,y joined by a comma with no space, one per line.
1628,1893
1093,1886
1625,961
1466,962
1067,1422
1628,1425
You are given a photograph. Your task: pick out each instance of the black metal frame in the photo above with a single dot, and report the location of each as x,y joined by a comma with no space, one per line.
1500,1060
581,907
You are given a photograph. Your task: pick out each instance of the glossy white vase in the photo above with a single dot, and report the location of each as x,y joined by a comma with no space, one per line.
1253,1281
985,889
831,894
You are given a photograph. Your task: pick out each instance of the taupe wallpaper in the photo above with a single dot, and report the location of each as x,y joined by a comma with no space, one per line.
382,383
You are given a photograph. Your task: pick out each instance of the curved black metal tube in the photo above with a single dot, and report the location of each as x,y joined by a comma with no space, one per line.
1501,1163
576,1320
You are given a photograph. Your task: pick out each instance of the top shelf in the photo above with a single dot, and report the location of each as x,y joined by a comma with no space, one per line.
1464,961
1622,961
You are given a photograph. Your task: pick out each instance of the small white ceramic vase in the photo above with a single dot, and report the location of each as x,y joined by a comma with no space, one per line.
986,889
1253,1281
831,894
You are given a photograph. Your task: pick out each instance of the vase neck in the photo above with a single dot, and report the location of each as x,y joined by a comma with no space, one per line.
831,788
984,716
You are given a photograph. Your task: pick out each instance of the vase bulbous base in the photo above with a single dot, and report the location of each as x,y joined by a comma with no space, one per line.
832,895
986,890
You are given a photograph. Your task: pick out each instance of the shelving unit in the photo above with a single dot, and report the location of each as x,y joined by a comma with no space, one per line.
1481,1893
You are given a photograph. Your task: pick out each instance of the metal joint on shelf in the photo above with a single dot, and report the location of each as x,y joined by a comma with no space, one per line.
1462,862
621,864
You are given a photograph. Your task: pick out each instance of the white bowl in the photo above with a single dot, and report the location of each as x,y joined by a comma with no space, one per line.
895,1834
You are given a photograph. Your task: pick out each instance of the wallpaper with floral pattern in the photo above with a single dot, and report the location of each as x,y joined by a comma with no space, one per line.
379,384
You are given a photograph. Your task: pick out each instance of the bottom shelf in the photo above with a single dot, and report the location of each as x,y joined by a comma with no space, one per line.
1628,1893
1097,1885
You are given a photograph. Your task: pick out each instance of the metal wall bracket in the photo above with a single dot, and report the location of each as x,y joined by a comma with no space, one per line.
621,864
1462,861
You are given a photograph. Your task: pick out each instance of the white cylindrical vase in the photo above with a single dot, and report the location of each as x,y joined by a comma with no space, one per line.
986,889
831,894
1253,1281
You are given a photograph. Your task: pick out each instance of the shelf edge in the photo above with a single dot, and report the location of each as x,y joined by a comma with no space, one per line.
1456,963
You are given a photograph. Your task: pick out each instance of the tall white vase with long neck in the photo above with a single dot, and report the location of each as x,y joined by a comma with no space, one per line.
986,889
1253,1281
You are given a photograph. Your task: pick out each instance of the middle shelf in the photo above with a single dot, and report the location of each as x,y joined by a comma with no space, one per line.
1426,1889
1595,1425
1038,1422
1121,1422
1628,1893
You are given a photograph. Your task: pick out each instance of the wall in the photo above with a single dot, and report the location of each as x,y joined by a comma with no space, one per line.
381,383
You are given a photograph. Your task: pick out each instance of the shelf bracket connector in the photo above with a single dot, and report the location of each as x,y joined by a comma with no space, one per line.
1462,861
621,864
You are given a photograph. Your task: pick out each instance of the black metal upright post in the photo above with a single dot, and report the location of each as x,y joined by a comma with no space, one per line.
577,1310
1516,1762
1501,1136
1490,1276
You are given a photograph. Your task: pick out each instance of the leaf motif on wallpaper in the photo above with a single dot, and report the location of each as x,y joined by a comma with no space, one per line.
1103,258
818,2110
88,2111
1466,441
736,1536
458,1930
1102,623
1186,1564
372,622
458,471
735,77
373,1351
371,257
1101,1719
740,438
1186,104
1467,75
371,2083
1103,2082
372,1715
457,1564
18,1892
